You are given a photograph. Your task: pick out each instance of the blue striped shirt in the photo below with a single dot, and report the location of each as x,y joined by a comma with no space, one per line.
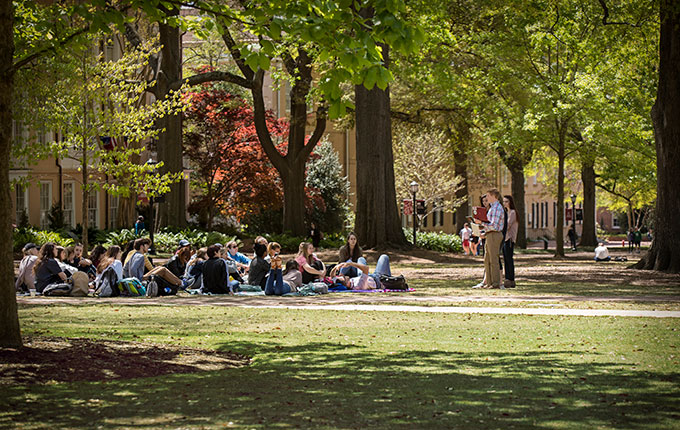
495,216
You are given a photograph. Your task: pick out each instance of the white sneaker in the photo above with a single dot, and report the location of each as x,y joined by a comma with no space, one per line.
480,285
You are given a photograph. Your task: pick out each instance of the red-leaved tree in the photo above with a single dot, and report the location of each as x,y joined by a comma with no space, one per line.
232,174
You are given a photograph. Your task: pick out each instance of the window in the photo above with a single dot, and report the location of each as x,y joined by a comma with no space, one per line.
45,204
93,209
615,221
554,214
438,213
22,202
545,217
535,179
67,204
504,174
113,212
533,215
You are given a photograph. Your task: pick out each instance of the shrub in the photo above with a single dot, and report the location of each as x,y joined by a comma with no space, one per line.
288,243
436,241
333,240
22,236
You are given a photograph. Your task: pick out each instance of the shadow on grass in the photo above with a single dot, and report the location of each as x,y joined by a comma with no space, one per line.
326,385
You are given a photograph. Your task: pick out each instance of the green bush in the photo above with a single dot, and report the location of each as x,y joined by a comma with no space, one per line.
334,240
288,243
436,241
23,236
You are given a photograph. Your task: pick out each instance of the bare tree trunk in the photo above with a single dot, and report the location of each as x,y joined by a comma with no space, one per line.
10,333
517,186
588,232
664,254
169,148
378,223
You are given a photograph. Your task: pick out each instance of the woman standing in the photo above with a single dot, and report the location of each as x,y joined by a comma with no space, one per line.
510,239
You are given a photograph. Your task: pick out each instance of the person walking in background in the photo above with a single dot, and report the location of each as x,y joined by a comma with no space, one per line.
465,236
637,234
571,233
631,241
139,225
315,234
493,239
510,240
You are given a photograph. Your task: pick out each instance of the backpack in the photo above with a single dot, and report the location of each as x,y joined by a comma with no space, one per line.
81,284
393,282
131,287
107,284
61,289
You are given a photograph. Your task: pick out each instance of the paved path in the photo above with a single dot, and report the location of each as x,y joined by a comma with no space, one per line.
474,310
348,302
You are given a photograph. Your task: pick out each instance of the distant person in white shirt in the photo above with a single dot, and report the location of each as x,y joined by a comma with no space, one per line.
601,253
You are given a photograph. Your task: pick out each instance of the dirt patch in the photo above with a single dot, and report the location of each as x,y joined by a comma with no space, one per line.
55,359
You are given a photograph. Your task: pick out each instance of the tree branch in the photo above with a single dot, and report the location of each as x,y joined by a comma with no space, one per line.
605,16
248,73
21,63
212,76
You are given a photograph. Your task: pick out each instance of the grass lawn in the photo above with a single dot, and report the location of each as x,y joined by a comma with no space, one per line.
356,370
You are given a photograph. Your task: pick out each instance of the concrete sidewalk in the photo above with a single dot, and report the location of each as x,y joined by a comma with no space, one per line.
473,310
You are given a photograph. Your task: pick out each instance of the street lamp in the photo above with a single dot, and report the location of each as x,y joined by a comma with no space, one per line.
573,220
152,248
414,189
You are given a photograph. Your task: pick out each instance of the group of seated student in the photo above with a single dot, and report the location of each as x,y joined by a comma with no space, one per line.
216,269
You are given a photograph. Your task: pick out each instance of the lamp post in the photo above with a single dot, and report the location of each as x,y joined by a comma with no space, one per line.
414,189
573,219
152,248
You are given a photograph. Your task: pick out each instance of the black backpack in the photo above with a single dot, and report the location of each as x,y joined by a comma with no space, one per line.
393,282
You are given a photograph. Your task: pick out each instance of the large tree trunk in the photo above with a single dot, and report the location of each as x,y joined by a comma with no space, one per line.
517,186
460,169
169,147
293,194
10,334
378,223
664,254
588,233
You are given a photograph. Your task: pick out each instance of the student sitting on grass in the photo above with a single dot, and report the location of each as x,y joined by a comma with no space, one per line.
259,267
74,257
292,275
26,279
232,270
137,265
242,262
602,253
311,267
215,276
351,253
111,259
178,263
275,285
47,270
193,274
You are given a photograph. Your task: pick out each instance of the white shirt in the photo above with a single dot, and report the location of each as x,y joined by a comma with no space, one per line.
465,233
601,252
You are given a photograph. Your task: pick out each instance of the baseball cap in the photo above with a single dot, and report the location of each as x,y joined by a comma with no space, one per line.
183,243
29,245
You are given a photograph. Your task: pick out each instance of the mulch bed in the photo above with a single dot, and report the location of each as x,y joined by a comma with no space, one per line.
55,359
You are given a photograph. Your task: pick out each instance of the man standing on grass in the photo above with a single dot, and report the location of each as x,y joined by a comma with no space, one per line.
494,238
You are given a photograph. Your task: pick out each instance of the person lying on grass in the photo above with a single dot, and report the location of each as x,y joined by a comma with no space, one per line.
364,280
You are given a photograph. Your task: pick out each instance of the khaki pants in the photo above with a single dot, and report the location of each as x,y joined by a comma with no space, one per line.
164,273
492,267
